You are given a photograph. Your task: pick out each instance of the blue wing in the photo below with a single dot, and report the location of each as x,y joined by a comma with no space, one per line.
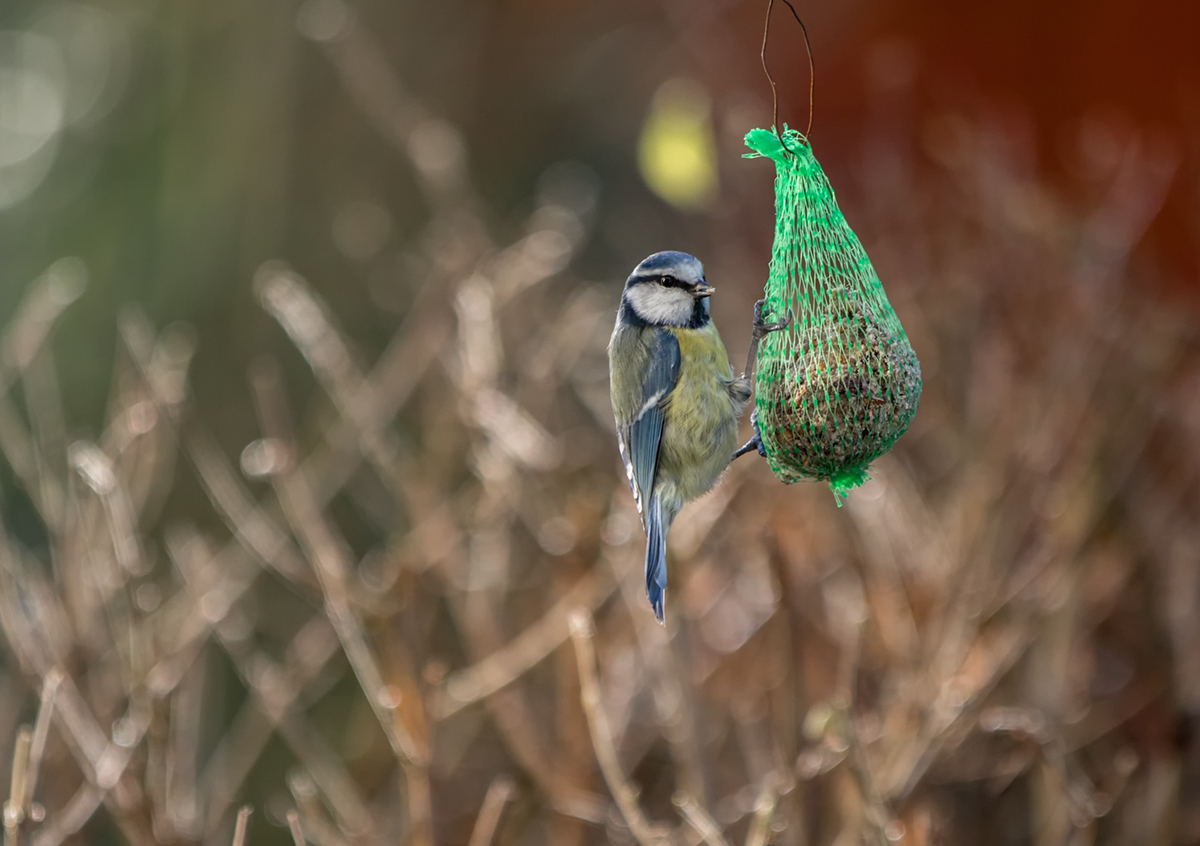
640,440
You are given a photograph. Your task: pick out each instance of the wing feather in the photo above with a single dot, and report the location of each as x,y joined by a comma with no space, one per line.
640,441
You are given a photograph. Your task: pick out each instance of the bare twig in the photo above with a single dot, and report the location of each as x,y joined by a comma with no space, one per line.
23,338
502,667
179,793
293,821
655,644
14,808
253,525
73,816
41,732
239,829
275,695
626,796
239,750
699,819
499,793
317,828
329,557
764,811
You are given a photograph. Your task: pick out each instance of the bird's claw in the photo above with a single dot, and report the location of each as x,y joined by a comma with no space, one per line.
755,443
759,331
762,328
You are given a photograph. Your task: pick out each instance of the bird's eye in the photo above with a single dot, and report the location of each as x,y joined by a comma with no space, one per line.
670,282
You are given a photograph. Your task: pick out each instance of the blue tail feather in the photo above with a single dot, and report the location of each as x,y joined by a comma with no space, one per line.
656,557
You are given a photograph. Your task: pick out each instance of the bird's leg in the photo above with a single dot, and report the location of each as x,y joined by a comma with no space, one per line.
755,443
760,330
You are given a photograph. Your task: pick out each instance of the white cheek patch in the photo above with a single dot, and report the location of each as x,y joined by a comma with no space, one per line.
658,305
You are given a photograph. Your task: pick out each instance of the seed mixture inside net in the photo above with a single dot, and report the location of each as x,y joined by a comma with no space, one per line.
838,386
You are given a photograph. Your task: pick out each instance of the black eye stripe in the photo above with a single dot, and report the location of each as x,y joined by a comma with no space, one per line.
665,280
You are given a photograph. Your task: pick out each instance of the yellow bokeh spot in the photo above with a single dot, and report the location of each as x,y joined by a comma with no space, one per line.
676,152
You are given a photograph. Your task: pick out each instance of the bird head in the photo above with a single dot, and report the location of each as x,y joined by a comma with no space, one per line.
669,289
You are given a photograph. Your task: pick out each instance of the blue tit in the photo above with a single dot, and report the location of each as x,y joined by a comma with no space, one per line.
674,396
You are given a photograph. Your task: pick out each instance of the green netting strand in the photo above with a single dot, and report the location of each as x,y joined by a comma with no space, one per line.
836,388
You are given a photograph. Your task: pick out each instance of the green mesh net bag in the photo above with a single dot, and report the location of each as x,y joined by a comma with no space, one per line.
838,386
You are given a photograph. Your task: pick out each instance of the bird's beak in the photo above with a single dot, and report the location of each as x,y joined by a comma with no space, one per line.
703,290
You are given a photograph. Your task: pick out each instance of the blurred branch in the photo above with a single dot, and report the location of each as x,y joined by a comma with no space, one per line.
499,793
655,645
253,526
275,693
243,744
500,668
62,284
764,811
239,830
626,796
699,819
41,732
14,808
71,818
328,555
297,831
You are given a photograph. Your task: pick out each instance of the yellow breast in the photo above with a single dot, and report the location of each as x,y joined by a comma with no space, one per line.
701,423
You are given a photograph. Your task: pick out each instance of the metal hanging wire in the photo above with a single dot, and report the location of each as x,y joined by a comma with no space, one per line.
770,79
